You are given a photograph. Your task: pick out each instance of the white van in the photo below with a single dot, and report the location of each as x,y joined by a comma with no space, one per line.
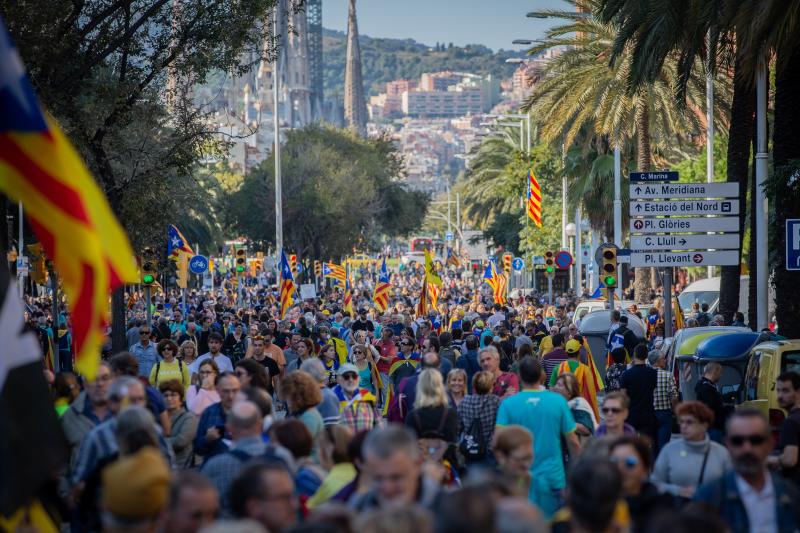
707,291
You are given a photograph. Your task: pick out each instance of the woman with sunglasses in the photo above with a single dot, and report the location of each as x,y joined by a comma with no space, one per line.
634,459
614,412
169,367
685,464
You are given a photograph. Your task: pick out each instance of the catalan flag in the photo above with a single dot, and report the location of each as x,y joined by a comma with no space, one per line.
422,305
534,203
68,211
452,258
337,272
677,313
287,285
496,281
433,295
381,294
177,244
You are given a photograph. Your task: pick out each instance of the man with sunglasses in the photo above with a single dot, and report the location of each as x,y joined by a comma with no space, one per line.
356,405
145,351
750,499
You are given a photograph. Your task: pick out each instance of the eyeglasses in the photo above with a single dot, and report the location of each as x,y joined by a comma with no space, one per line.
144,333
357,352
167,348
629,461
608,410
739,440
349,376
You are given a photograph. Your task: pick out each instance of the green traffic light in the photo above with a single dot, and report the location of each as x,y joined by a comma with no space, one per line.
148,279
240,269
550,270
610,281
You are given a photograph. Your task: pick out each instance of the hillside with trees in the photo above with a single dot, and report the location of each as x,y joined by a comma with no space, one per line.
385,60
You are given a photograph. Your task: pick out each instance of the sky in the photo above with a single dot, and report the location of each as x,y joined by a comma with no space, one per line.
494,23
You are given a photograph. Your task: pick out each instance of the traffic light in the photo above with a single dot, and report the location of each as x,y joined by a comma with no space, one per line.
609,267
149,266
507,263
317,268
241,260
549,264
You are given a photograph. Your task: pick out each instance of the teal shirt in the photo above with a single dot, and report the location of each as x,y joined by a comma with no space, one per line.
546,415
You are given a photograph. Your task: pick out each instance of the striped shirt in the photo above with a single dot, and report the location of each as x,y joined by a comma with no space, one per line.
665,391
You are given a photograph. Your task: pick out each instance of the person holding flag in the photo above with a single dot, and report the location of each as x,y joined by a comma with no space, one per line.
287,285
587,385
496,281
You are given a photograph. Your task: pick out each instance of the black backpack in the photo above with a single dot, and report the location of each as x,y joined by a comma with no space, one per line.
472,442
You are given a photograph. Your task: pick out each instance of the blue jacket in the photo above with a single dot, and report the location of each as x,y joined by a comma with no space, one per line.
213,416
469,364
722,496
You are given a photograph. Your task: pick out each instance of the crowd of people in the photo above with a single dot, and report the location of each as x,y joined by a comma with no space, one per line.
223,416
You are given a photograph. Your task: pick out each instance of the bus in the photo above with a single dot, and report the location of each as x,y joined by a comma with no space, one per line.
420,244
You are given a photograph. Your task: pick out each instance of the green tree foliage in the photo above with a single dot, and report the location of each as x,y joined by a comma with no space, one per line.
385,60
339,193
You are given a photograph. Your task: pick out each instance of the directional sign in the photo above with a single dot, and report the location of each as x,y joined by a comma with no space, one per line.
684,259
659,191
685,242
793,244
683,225
654,176
538,260
448,236
685,207
563,259
517,264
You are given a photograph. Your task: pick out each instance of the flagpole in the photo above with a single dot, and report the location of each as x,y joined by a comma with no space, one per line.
277,151
20,252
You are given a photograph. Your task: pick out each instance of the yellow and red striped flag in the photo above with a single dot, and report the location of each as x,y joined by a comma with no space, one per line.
381,294
337,272
422,305
534,207
497,282
433,292
348,297
287,285
68,211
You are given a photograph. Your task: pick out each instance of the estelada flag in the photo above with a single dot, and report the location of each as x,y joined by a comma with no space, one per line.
32,445
431,275
337,272
68,212
381,294
287,285
177,244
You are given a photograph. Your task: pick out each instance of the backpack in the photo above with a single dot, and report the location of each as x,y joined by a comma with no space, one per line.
180,369
472,442
449,353
403,371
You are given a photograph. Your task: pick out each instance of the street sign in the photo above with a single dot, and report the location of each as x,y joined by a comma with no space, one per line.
22,266
563,259
685,207
685,242
448,236
683,225
684,259
517,264
659,191
198,264
623,255
793,244
538,260
654,176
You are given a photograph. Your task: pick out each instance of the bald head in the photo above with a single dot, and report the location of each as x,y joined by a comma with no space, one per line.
244,420
430,360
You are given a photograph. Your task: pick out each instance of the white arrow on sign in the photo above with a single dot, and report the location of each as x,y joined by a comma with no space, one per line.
685,207
685,242
684,259
683,225
656,191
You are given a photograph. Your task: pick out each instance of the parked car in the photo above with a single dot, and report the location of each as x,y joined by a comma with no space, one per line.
732,351
767,361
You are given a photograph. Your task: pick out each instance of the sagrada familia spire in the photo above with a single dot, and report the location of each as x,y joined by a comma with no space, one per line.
355,107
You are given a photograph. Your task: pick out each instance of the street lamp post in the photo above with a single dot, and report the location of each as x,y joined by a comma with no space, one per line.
277,151
761,200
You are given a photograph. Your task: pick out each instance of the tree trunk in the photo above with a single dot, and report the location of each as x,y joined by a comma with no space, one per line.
642,275
752,302
785,192
739,139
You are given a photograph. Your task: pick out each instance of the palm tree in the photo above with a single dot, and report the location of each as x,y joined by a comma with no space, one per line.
580,89
690,28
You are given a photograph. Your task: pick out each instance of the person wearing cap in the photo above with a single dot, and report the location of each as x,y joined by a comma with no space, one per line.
583,374
135,492
357,406
362,323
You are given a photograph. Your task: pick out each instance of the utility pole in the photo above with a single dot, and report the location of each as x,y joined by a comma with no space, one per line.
761,200
617,200
20,252
710,125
